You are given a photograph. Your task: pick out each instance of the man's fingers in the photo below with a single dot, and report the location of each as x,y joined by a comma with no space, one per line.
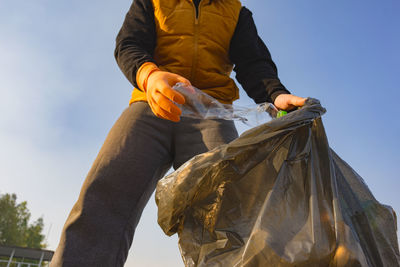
166,115
181,79
175,78
171,94
187,84
162,98
288,101
297,101
159,112
166,104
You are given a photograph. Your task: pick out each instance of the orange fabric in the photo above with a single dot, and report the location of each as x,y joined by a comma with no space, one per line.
143,74
138,95
161,97
195,47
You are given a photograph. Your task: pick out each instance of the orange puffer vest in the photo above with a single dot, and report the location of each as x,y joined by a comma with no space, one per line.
196,47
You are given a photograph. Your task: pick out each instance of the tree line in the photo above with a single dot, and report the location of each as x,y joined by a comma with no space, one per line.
15,226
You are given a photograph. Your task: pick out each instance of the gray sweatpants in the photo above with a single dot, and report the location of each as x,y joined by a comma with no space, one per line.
138,151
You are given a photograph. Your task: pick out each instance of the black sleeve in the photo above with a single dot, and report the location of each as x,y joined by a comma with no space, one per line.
254,68
136,40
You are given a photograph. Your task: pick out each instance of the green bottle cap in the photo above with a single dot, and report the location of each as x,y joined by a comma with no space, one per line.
281,113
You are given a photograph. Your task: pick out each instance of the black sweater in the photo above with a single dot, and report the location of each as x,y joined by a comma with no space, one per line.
254,68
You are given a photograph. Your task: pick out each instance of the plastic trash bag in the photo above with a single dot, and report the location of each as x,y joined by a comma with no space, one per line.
276,196
200,105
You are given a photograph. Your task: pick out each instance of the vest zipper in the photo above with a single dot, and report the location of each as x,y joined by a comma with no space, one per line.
196,40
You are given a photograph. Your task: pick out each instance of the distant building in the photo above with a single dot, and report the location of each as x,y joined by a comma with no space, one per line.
15,257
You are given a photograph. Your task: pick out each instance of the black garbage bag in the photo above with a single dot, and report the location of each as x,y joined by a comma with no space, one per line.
276,196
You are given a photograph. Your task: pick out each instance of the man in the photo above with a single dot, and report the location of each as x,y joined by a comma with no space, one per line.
161,43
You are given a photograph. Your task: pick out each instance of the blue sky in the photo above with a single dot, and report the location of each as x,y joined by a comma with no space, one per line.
61,91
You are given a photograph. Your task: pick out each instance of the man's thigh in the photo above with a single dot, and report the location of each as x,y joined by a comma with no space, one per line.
135,154
194,136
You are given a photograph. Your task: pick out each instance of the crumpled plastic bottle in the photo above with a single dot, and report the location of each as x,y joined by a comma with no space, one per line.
202,106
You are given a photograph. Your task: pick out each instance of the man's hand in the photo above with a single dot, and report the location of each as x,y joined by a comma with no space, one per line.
288,102
161,96
158,87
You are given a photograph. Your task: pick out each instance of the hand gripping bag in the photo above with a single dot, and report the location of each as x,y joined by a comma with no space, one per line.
276,196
